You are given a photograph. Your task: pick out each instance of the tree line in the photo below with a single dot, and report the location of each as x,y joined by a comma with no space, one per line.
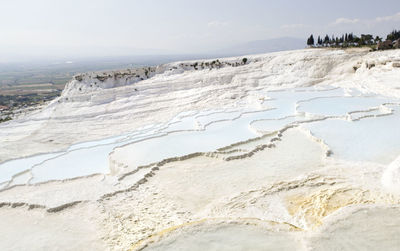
349,39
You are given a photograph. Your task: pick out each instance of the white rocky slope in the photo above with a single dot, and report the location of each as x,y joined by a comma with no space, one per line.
295,149
105,104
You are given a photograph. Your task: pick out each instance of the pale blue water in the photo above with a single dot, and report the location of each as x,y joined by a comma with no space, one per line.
370,139
367,139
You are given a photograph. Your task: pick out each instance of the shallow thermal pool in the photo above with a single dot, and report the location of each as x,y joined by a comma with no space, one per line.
372,139
375,139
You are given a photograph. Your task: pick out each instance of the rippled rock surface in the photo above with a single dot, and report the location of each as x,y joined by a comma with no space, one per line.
289,150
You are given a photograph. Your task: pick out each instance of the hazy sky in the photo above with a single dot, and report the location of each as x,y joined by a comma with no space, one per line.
116,27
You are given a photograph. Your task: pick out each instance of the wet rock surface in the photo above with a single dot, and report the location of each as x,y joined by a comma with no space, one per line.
295,149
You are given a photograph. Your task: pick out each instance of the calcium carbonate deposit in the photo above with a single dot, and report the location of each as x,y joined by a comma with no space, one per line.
295,150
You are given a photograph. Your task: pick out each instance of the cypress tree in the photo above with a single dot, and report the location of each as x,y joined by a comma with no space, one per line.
351,39
326,40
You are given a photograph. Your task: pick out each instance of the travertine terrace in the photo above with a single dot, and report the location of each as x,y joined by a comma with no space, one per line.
297,149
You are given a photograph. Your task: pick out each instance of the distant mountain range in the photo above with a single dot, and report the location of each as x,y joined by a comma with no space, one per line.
265,46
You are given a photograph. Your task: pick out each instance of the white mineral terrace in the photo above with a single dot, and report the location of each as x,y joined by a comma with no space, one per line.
296,150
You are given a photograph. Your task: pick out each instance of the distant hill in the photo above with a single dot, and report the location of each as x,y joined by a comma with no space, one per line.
264,46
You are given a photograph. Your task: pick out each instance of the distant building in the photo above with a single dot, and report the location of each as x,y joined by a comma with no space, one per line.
384,45
396,44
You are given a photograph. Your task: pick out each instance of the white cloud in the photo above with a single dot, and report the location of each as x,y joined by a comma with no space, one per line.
292,26
343,20
395,17
217,23
369,22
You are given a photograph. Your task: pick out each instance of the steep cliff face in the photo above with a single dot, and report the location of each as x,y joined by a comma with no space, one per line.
83,86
